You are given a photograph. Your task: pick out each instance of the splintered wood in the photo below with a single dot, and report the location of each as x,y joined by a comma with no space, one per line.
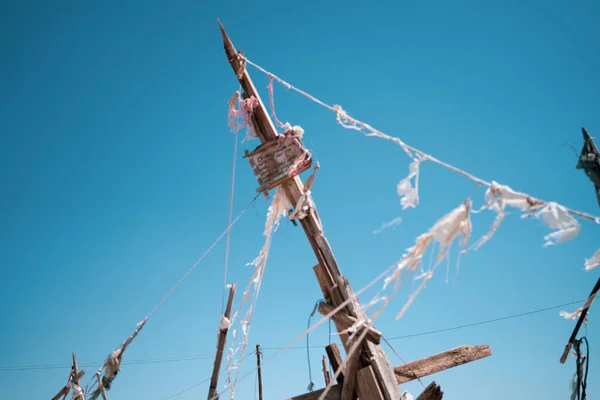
432,392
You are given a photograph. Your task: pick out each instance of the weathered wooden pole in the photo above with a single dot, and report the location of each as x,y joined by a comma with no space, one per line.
335,288
259,372
326,372
73,377
589,161
584,312
221,340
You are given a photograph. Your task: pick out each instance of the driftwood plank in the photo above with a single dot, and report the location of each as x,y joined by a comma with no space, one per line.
326,372
221,341
350,380
366,381
432,392
440,362
336,360
334,394
410,371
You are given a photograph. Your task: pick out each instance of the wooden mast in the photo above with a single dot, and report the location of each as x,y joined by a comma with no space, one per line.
371,373
335,288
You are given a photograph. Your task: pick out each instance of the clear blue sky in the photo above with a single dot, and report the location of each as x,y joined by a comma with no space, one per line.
116,161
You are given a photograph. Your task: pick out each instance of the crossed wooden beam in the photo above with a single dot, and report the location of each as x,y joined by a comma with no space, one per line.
404,373
74,377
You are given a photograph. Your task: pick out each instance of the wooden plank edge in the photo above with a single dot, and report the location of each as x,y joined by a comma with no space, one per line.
440,362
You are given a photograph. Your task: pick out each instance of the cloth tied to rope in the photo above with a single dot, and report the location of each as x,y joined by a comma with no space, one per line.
112,364
76,391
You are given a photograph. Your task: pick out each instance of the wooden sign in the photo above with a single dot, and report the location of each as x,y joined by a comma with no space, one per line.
271,161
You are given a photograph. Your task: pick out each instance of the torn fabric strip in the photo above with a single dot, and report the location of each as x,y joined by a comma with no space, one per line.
593,262
244,113
557,217
409,194
574,315
498,197
277,209
454,225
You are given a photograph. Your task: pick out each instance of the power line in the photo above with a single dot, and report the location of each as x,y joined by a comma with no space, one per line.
489,321
207,357
205,380
132,362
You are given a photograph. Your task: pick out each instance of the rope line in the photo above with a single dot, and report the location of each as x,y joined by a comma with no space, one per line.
203,381
212,246
358,125
402,359
228,240
311,384
489,321
343,304
114,360
211,357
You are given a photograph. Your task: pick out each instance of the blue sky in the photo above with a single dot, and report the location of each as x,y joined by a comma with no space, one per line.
116,163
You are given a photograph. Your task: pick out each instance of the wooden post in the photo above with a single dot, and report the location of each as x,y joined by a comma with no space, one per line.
221,340
326,372
584,312
100,386
75,370
336,361
336,290
588,153
72,378
432,392
407,372
76,373
259,371
440,362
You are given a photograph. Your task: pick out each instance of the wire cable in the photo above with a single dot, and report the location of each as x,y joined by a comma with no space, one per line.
212,246
311,384
230,214
203,381
203,357
352,123
489,321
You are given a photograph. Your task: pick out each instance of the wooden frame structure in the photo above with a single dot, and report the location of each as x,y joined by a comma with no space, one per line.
368,375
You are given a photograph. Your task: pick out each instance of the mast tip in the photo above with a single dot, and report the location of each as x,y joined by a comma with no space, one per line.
586,135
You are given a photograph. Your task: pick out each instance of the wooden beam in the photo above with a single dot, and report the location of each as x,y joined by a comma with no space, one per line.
76,378
364,380
65,390
334,394
294,189
346,321
259,371
62,392
410,371
440,362
75,369
221,340
431,392
336,361
349,385
584,312
326,372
